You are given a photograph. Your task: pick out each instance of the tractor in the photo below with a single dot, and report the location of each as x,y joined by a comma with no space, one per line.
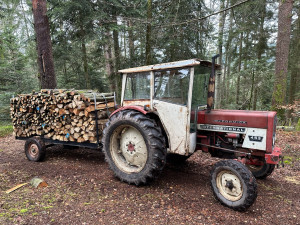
166,111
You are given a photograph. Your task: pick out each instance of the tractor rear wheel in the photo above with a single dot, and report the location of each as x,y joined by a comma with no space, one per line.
262,171
233,184
134,147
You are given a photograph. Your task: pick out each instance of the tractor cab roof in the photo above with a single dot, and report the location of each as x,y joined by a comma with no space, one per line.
169,65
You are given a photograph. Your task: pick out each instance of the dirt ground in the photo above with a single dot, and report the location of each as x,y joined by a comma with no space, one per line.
82,190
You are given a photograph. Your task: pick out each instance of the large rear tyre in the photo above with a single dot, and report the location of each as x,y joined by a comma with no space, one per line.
261,172
134,147
35,149
233,184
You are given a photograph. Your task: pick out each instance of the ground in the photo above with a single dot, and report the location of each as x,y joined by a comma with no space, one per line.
82,190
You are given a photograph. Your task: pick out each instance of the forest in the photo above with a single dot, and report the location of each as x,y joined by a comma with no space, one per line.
258,43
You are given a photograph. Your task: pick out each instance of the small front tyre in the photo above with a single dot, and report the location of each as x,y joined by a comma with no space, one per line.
35,149
262,171
233,184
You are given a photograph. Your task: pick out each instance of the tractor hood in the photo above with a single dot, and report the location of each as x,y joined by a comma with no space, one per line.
237,118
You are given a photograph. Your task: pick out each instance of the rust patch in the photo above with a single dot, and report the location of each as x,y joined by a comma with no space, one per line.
140,102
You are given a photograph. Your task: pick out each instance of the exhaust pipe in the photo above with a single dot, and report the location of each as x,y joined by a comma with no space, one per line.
211,84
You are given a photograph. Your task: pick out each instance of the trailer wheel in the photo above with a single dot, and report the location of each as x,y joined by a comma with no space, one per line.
134,147
233,184
261,172
35,149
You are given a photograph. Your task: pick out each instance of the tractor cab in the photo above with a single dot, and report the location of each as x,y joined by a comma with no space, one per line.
173,92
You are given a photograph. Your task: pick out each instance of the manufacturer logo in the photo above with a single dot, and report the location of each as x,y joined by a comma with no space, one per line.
223,128
256,138
231,121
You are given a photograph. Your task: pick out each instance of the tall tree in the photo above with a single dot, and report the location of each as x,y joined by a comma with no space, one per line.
148,33
219,83
294,65
282,53
44,46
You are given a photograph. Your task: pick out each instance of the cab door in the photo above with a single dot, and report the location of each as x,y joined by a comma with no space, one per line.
172,101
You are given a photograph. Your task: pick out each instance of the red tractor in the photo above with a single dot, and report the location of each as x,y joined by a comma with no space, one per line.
166,110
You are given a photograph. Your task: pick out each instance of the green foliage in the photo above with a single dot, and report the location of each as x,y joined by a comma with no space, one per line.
85,30
5,130
298,125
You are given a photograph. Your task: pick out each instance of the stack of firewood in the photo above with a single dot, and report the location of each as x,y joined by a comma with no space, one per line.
64,115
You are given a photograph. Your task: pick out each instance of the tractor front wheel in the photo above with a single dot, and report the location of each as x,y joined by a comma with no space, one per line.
233,184
262,171
134,147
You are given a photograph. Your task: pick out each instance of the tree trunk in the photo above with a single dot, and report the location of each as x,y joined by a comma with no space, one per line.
108,61
239,70
261,46
84,59
131,44
252,88
148,33
228,56
255,98
117,55
294,64
282,52
44,46
219,87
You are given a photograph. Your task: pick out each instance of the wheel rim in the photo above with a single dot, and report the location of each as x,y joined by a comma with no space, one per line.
229,185
33,150
128,149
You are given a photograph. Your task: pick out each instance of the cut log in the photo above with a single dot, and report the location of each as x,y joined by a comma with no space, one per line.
61,114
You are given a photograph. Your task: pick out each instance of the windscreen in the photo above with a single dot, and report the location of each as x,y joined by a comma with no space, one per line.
200,86
172,85
137,86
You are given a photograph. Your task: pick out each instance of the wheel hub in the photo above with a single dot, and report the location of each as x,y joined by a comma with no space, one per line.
33,150
129,149
229,185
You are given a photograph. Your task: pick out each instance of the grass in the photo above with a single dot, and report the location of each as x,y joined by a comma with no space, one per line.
5,129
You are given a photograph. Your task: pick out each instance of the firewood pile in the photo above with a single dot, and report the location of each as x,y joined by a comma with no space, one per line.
64,115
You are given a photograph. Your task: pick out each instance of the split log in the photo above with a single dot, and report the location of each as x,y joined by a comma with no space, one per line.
61,114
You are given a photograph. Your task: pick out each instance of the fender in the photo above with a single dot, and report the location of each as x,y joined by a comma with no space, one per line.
134,107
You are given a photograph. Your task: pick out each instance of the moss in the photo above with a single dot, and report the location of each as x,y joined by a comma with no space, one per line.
23,210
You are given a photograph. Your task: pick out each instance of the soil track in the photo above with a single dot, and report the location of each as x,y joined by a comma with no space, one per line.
82,190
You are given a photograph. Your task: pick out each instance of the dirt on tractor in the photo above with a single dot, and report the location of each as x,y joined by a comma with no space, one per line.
83,190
